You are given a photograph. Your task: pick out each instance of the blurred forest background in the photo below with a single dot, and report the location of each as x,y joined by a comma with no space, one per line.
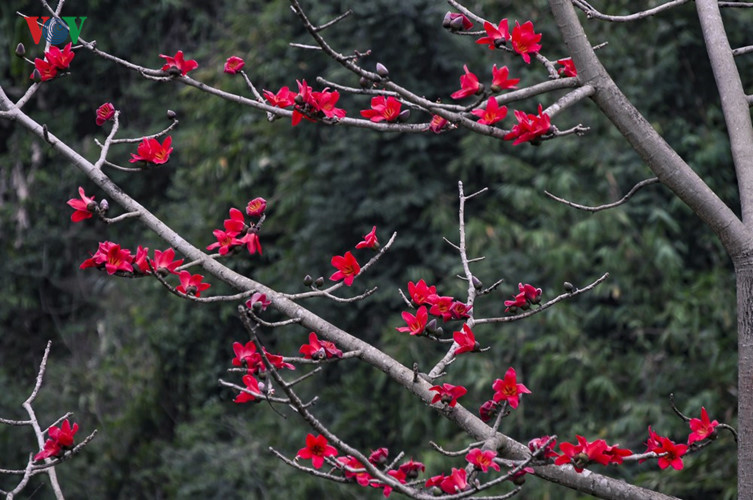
142,366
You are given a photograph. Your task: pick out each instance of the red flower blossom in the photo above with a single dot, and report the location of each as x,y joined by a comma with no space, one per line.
455,482
60,439
417,323
496,36
482,460
105,112
459,310
383,109
519,301
243,353
61,59
361,476
325,103
84,207
488,410
448,394
46,70
455,21
420,292
568,67
277,361
617,454
110,256
397,475
225,241
164,262
438,124
440,306
492,113
236,224
468,85
369,240
282,99
532,294
379,456
251,240
537,443
258,298
702,428
583,453
466,341
500,80
252,385
670,452
151,151
256,207
525,41
191,284
233,65
319,349
411,469
509,389
178,62
434,481
529,127
347,268
141,260
51,449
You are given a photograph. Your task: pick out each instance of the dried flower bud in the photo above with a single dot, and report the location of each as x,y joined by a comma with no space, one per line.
171,114
447,21
308,280
319,282
477,283
20,50
404,115
382,70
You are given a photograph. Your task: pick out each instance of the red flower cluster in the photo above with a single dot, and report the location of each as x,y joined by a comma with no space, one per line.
509,389
111,257
319,349
248,356
308,104
105,112
528,295
181,65
529,127
584,453
151,151
383,109
443,306
454,483
237,233
669,452
60,439
54,60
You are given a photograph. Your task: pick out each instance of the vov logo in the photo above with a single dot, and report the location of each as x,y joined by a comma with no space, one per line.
54,30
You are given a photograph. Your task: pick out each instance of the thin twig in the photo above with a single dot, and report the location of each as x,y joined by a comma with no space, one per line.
643,183
592,13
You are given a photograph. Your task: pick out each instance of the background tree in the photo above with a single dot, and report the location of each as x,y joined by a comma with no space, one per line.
175,401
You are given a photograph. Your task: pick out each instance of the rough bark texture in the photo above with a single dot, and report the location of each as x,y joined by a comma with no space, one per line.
744,275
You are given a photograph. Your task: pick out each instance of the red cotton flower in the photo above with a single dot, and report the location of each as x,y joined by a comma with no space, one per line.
164,262
225,241
369,240
84,207
482,460
616,454
532,294
488,410
383,109
51,449
568,67
536,444
440,306
325,103
455,482
466,341
110,257
60,439
420,292
61,59
529,127
417,323
455,21
179,63
669,452
251,240
411,469
357,470
702,428
347,268
438,124
233,65
448,394
244,354
282,99
105,112
319,349
496,36
525,41
379,456
151,151
583,453
258,298
141,260
492,114
317,449
509,389
191,284
252,385
468,85
45,70
500,80
256,207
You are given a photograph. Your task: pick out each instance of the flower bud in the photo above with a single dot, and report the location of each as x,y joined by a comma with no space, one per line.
171,114
480,89
36,75
308,280
439,332
569,287
476,283
258,307
298,99
431,326
447,21
319,282
174,71
382,70
20,50
364,82
404,115
518,480
456,24
104,205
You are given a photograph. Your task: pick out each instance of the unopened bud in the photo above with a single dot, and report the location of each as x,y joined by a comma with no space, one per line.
104,205
439,332
382,70
404,115
171,114
480,89
519,480
431,326
298,99
36,75
457,23
364,82
569,287
308,280
476,283
319,282
447,21
20,50
258,306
